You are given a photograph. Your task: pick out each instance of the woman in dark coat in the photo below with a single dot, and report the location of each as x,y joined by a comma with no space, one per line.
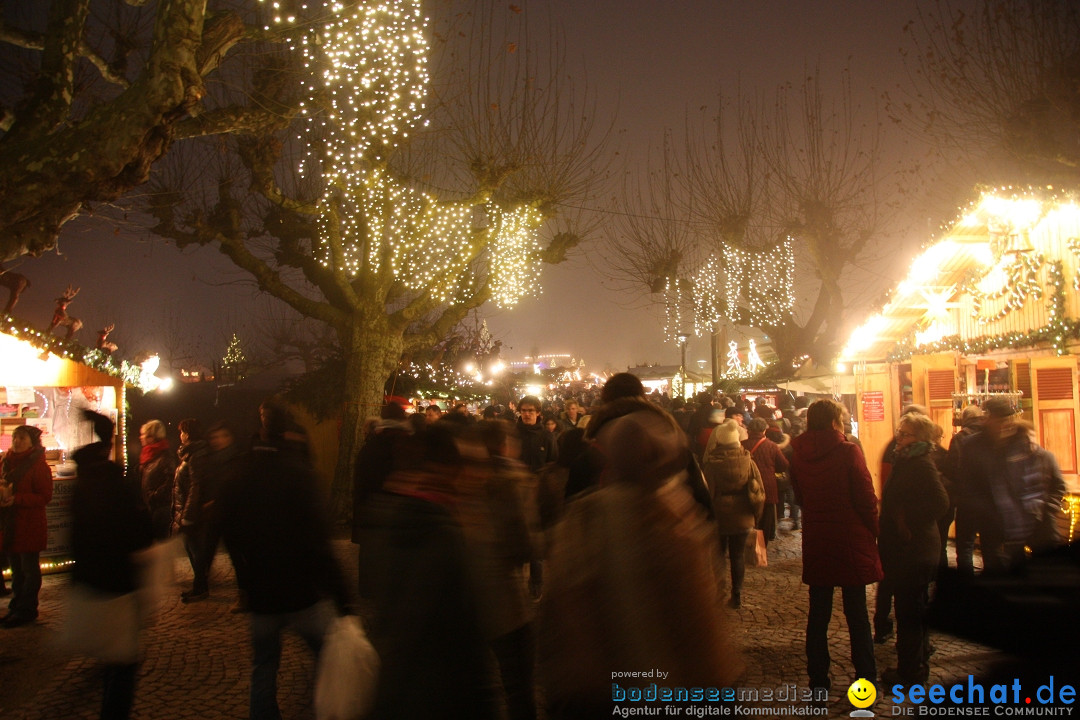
840,527
157,471
29,486
910,543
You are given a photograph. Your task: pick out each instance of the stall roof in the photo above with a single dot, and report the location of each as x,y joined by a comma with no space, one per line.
935,278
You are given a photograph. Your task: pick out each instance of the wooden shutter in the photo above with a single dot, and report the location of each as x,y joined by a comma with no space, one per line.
1054,409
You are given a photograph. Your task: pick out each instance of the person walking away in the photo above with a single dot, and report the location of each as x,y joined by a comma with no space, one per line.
630,581
109,523
770,462
28,489
425,617
498,544
909,544
738,498
189,486
157,472
224,462
274,525
839,548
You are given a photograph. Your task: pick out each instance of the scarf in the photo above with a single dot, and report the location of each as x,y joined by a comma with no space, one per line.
915,449
16,465
151,451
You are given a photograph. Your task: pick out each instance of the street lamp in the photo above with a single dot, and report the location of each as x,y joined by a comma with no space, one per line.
682,338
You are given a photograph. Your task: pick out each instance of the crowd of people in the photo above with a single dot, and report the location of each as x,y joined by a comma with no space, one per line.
510,559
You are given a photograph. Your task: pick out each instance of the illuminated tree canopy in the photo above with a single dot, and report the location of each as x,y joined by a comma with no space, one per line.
375,170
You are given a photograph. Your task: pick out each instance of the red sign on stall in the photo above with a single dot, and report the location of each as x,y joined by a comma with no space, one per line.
873,406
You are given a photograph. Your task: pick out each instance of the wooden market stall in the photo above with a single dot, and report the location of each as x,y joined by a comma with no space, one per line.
43,384
991,308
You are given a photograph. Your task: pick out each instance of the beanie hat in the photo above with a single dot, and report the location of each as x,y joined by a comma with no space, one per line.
727,433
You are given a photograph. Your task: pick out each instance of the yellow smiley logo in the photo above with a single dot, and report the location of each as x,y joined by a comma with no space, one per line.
862,693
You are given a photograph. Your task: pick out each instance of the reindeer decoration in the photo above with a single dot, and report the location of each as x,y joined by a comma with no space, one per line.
103,343
60,316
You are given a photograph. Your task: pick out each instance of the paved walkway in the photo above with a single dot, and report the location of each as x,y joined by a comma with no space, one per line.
196,656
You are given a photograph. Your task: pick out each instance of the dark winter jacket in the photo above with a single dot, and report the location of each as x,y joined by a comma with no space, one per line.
109,522
425,621
912,503
374,463
191,476
156,477
275,528
839,510
538,446
735,483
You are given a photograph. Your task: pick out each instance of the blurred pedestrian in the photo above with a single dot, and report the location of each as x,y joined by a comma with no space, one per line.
909,544
109,523
157,472
630,581
425,618
1014,487
275,528
499,543
839,545
29,486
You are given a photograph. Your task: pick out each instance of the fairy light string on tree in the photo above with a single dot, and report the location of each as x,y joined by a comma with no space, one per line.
367,91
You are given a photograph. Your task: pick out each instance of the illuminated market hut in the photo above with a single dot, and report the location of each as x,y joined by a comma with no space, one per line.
47,382
991,308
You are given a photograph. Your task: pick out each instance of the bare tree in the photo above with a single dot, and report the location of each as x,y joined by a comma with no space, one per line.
96,91
998,80
801,170
390,240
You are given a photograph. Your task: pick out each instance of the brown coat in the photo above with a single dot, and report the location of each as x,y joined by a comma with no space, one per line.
737,491
629,584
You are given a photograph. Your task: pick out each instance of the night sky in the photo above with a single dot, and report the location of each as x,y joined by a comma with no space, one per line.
651,60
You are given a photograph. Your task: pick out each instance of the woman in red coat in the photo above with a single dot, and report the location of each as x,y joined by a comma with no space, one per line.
27,489
840,527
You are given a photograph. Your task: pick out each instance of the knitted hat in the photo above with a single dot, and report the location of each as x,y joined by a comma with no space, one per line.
727,433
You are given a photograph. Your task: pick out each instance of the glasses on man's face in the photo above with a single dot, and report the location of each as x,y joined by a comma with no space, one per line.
528,410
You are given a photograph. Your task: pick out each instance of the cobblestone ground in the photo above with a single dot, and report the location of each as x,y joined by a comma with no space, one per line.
195,660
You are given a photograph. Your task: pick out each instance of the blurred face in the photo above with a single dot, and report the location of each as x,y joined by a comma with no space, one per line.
529,414
904,435
572,410
551,425
999,428
220,439
432,413
20,442
144,438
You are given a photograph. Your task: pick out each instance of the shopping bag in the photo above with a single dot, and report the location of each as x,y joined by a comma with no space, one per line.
101,625
156,568
347,673
756,554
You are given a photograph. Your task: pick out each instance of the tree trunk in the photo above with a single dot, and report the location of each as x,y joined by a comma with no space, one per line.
373,351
